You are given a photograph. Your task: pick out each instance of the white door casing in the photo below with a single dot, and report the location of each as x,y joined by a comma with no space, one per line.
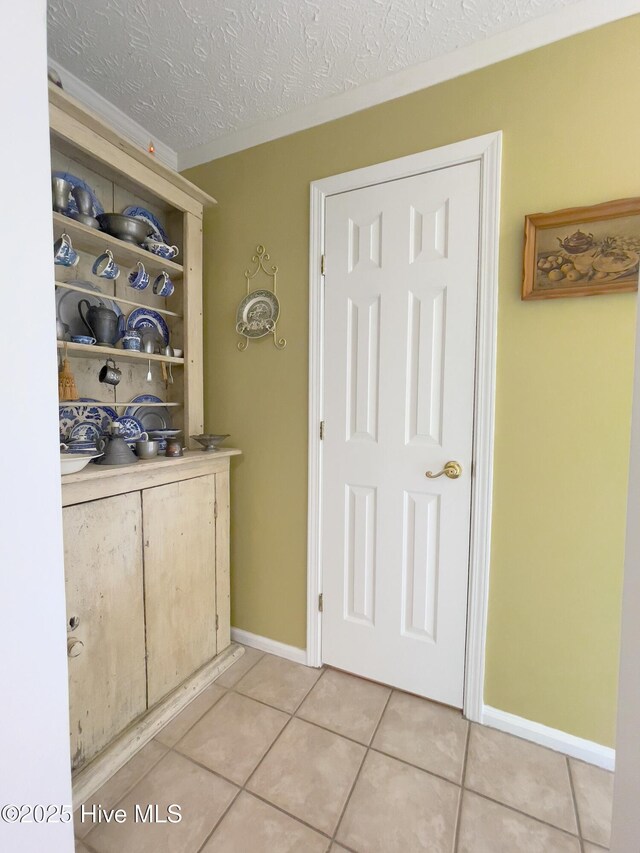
362,503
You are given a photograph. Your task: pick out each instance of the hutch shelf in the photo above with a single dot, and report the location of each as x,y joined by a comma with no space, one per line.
146,544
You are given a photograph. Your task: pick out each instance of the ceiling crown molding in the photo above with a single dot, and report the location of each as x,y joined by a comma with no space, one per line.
563,22
118,119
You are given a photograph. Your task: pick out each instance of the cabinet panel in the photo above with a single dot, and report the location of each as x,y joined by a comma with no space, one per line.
223,582
104,587
180,581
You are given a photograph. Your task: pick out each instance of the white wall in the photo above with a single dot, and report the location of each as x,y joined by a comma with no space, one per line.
34,738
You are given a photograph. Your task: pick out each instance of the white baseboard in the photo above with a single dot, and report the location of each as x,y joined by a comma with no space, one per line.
273,647
576,747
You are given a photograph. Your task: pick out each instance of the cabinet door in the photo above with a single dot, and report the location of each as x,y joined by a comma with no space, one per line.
180,581
104,589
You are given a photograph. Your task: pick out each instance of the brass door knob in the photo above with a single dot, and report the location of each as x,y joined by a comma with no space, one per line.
452,470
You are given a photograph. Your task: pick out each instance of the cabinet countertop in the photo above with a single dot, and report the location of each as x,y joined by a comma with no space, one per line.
99,481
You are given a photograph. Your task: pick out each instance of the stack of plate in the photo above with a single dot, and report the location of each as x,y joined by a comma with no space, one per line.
151,418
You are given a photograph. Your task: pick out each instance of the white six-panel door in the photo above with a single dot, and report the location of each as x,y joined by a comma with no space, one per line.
399,330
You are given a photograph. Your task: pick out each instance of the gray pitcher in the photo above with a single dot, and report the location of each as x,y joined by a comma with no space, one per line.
103,323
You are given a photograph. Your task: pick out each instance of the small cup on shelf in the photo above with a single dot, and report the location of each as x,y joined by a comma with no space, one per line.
132,340
138,277
163,286
110,374
105,267
64,254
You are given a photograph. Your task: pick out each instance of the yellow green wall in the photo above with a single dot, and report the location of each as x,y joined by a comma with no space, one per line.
571,123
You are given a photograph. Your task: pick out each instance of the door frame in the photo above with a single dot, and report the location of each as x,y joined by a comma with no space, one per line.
486,149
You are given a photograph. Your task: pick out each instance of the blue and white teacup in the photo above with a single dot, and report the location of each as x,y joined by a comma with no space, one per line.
138,277
163,250
163,286
132,340
64,254
105,267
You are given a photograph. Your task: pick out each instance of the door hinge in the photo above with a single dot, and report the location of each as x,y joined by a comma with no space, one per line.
321,430
215,509
217,621
321,602
322,263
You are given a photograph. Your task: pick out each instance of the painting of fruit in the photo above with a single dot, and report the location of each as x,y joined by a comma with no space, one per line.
582,251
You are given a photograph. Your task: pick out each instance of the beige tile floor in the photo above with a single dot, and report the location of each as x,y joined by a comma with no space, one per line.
279,758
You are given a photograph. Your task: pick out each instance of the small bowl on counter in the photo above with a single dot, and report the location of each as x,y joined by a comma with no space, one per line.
209,442
71,463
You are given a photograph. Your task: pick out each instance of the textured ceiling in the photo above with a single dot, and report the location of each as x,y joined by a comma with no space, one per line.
191,71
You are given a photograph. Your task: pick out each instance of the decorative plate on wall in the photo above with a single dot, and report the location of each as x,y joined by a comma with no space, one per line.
258,314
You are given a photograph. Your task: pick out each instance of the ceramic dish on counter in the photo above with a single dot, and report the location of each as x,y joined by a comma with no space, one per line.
145,318
158,233
67,305
72,209
71,463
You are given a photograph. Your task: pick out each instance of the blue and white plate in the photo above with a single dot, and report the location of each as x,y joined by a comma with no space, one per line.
84,431
130,428
145,215
78,182
146,318
73,414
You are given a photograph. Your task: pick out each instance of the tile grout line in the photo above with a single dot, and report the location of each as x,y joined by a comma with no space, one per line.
575,803
368,748
129,789
171,748
166,746
186,732
522,814
357,776
463,776
243,788
255,663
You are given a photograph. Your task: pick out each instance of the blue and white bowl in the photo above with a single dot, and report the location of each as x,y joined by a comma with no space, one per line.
83,339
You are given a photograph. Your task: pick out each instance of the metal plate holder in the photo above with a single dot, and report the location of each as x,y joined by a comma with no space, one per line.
258,312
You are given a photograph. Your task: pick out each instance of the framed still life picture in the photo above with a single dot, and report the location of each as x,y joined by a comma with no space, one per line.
582,251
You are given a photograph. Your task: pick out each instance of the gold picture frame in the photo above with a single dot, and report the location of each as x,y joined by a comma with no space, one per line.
582,251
